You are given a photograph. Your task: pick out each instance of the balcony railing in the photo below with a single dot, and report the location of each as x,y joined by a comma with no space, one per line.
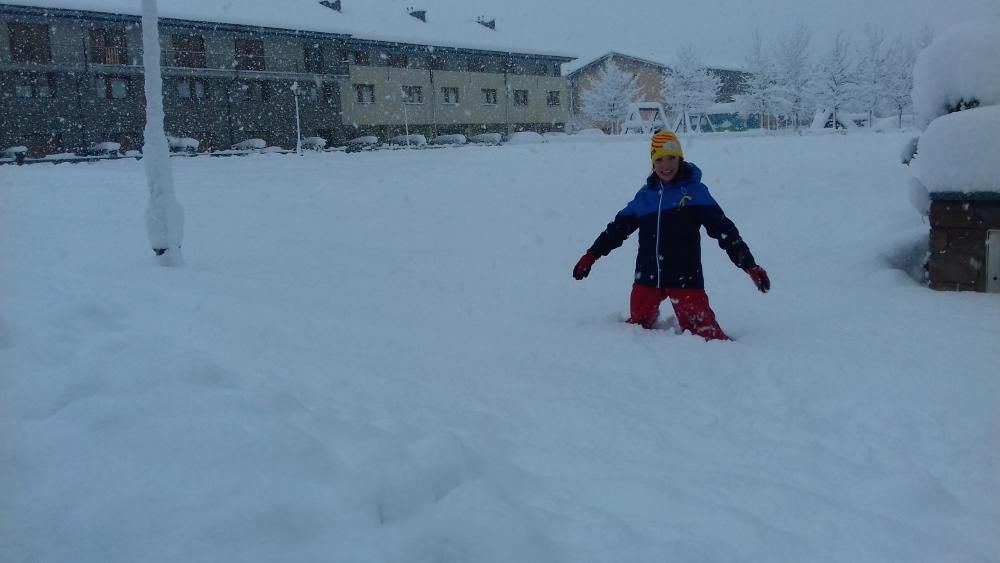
109,56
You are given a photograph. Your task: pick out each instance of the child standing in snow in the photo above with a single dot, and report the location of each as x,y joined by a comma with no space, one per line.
669,211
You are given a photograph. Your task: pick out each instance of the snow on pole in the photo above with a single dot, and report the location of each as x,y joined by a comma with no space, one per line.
164,216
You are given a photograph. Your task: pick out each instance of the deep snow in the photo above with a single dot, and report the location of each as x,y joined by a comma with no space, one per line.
383,357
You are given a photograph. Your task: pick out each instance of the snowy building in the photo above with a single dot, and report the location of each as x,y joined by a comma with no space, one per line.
649,75
71,73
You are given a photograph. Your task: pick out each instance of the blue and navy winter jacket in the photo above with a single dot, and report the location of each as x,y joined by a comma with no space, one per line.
669,218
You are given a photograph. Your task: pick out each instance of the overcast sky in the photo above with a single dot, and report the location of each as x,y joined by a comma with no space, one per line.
721,30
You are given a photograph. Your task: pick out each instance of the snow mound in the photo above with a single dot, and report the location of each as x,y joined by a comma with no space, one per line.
524,138
959,66
411,140
958,152
365,140
314,143
178,144
250,144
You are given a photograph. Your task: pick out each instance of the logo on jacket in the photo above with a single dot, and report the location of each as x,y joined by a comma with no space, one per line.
684,200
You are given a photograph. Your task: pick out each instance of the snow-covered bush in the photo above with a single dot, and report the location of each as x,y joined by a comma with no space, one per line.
956,94
105,148
182,144
958,71
457,139
592,131
524,137
250,145
411,140
314,143
487,139
554,136
272,149
12,152
366,140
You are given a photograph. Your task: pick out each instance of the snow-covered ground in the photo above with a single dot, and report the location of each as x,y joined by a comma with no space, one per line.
383,357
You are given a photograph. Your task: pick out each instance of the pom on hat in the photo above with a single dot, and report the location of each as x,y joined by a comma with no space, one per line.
665,143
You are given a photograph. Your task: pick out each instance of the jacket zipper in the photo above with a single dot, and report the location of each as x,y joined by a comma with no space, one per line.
659,212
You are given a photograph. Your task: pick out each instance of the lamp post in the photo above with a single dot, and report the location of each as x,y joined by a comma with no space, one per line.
406,119
298,126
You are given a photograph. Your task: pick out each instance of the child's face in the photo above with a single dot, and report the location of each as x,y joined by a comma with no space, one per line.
666,167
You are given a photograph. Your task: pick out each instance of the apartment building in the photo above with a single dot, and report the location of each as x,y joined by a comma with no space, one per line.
72,78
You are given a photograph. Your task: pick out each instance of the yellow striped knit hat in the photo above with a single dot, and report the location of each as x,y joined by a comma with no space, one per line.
665,143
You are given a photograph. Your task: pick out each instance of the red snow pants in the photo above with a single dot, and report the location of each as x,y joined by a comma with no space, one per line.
690,307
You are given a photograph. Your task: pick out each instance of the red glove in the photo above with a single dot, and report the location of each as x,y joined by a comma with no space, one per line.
582,268
759,277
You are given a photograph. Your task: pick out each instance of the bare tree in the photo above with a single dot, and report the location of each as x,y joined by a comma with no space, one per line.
899,82
609,95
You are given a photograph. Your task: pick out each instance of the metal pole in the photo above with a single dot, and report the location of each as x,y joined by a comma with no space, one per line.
298,126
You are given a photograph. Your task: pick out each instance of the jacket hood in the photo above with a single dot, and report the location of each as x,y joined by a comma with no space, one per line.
687,175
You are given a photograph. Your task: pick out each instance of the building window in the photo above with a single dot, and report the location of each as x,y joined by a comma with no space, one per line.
489,96
191,88
330,92
520,97
365,93
189,51
398,60
29,43
360,58
252,91
113,87
314,58
552,98
249,54
556,69
413,94
311,93
34,86
108,46
449,95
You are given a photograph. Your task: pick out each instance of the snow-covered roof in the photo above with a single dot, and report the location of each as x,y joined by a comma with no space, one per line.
664,62
449,23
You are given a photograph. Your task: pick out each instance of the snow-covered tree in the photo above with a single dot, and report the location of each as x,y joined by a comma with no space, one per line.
873,71
762,92
689,87
837,80
611,92
795,73
899,81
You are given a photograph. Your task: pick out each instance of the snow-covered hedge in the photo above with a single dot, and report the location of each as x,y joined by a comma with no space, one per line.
105,147
250,144
411,140
183,144
958,67
449,140
314,143
12,152
487,139
365,140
